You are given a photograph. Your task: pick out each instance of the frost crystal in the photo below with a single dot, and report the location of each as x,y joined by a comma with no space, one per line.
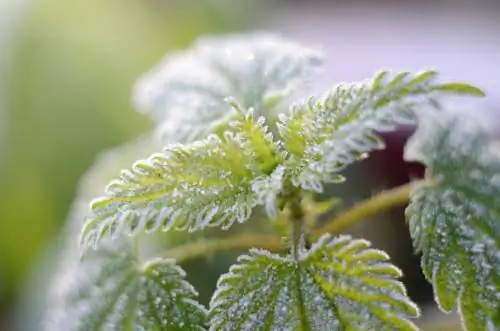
186,92
213,182
267,189
327,133
339,284
112,293
454,217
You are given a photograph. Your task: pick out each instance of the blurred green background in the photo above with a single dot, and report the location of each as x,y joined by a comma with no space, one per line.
67,69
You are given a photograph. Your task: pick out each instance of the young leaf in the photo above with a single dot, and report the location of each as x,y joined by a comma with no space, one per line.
257,138
213,182
325,134
339,284
113,293
454,217
186,92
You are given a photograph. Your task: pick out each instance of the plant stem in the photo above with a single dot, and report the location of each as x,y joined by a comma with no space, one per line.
136,248
297,220
205,247
446,325
377,204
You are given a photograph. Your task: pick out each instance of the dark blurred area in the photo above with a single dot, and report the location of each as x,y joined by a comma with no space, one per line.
67,69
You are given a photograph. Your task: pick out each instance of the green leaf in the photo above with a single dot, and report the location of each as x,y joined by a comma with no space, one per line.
461,88
112,292
454,216
214,182
339,284
326,133
257,138
186,92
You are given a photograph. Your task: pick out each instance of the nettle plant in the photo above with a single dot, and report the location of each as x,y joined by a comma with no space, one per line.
237,145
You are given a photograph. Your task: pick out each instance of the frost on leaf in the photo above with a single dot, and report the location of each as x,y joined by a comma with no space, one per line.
329,132
212,182
339,284
186,92
112,292
454,217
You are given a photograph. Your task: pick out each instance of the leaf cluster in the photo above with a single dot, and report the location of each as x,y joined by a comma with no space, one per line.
236,145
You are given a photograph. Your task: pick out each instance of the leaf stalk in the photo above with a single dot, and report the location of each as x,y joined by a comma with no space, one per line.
377,204
297,233
206,247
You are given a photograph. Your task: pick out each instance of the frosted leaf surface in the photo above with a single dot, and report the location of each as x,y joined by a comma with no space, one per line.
339,284
186,92
69,268
455,218
112,292
212,182
326,133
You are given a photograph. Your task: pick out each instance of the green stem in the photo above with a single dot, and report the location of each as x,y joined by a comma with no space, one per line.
445,325
297,220
205,247
136,248
377,204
